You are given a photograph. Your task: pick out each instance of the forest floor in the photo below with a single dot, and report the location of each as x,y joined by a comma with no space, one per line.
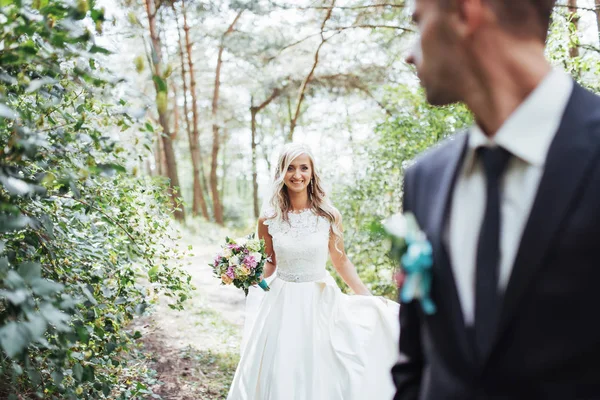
194,352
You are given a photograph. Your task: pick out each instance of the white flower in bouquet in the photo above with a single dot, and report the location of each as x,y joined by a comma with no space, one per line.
227,252
241,241
257,256
253,245
234,261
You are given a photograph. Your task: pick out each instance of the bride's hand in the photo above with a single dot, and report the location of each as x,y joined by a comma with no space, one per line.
260,278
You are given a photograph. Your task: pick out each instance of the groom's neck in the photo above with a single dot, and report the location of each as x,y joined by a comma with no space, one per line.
504,70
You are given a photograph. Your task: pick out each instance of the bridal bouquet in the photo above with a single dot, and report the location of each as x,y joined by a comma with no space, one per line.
413,251
241,263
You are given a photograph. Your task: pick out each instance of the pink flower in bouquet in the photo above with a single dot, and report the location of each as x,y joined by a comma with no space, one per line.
230,273
217,260
234,247
226,279
250,261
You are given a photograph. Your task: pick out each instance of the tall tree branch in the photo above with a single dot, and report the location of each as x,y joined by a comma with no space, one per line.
302,90
337,30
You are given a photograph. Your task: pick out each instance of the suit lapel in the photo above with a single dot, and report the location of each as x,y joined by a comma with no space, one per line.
568,163
447,170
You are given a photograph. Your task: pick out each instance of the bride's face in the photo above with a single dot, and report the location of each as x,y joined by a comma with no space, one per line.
298,174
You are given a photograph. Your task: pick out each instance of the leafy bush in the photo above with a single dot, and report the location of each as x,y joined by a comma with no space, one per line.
78,231
376,189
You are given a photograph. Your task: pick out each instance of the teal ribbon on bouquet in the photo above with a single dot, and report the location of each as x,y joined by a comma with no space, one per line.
264,285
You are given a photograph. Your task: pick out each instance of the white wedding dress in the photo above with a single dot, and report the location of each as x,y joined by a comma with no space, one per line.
308,340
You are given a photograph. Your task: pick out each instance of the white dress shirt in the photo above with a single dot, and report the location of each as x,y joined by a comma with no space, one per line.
527,135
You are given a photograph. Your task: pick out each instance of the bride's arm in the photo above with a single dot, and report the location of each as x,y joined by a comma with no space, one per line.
344,266
263,233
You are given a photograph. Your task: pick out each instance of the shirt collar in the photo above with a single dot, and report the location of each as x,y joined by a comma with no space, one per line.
530,129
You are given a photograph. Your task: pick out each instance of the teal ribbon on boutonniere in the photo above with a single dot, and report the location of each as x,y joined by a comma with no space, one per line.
413,251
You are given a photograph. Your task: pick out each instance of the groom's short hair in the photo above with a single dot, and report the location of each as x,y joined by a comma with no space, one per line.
518,15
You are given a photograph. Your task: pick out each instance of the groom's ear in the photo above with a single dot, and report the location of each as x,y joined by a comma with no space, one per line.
466,17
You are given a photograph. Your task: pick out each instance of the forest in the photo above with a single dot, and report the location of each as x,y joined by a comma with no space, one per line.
136,135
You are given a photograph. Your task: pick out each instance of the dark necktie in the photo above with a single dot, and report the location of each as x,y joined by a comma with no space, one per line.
487,295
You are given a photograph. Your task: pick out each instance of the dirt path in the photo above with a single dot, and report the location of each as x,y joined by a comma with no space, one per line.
195,351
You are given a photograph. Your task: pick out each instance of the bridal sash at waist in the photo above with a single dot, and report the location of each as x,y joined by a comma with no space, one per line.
296,277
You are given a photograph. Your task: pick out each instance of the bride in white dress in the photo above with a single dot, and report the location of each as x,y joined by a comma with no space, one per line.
308,340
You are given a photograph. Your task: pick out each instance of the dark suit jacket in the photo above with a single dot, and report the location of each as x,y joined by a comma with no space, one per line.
547,345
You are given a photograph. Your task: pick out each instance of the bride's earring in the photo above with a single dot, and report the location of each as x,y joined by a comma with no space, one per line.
312,187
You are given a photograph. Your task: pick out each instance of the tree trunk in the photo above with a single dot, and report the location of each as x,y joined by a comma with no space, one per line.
158,156
162,109
214,186
253,112
574,48
199,203
597,3
224,164
175,114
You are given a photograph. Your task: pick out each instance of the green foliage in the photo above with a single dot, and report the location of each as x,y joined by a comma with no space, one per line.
563,35
78,232
376,189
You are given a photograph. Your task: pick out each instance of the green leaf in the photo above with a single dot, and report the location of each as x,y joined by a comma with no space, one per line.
10,223
140,308
149,127
57,377
3,265
89,295
88,374
83,334
14,280
111,167
36,84
19,187
30,271
45,287
36,326
7,112
16,297
13,338
161,84
17,369
78,372
97,49
55,317
153,273
35,376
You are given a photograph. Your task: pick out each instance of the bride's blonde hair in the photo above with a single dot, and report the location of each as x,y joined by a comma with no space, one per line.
318,200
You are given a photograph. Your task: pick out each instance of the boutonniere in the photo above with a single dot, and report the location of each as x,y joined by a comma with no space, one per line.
412,250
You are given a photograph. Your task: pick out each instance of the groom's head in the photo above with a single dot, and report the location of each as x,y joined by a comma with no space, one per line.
459,38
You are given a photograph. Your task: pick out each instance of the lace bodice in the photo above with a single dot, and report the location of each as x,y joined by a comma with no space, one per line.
300,245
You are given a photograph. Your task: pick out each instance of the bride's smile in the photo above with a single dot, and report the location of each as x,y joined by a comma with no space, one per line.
298,174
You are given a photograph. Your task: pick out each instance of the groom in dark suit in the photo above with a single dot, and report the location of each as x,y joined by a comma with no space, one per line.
512,210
